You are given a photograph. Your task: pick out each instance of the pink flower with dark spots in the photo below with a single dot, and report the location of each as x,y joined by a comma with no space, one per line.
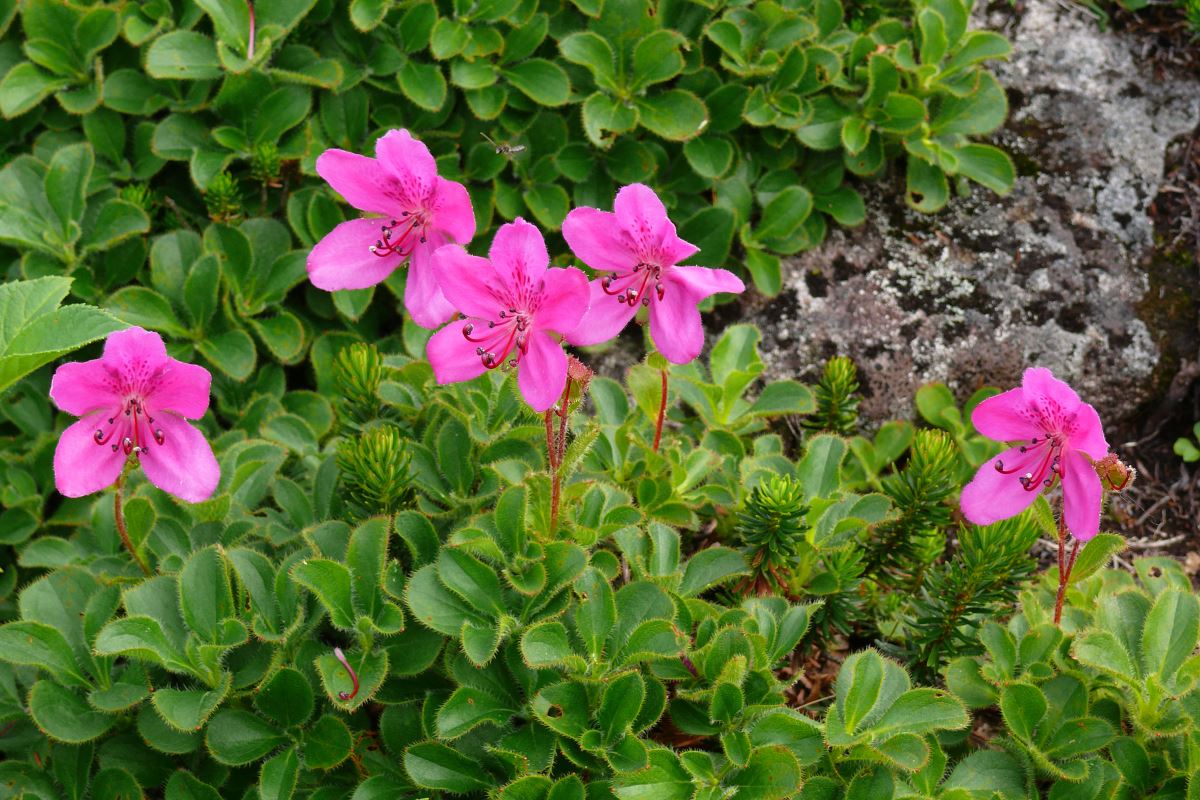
420,212
133,402
1060,438
636,249
512,304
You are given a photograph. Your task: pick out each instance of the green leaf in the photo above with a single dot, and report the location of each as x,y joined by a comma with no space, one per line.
183,55
784,214
588,49
287,698
205,595
36,645
24,87
1023,707
329,581
236,737
709,567
435,766
619,705
820,468
455,456
467,709
772,773
231,352
927,190
188,709
656,58
184,786
327,743
710,229
542,81
921,711
1170,632
67,182
986,165
371,669
147,308
602,113
1096,554
675,114
117,221
709,156
664,779
448,38
472,580
547,645
65,716
424,84
549,204
597,611
279,775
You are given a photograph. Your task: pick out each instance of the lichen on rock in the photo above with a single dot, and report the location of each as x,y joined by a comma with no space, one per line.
1057,273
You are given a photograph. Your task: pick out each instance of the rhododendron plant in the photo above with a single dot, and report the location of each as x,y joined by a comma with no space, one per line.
134,402
637,251
512,305
420,210
1059,438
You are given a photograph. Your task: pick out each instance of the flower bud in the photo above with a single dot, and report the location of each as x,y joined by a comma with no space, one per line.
579,374
1114,474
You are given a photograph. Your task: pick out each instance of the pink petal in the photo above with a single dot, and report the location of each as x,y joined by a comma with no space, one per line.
423,298
452,356
542,373
1081,495
518,253
80,465
82,386
596,239
702,281
183,464
466,281
675,323
565,299
359,179
604,319
452,211
343,259
651,233
411,167
1006,417
183,388
1040,385
134,354
1087,434
992,495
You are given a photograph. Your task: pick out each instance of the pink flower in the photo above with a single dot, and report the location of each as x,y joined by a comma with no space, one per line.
1058,433
133,401
421,212
512,303
638,247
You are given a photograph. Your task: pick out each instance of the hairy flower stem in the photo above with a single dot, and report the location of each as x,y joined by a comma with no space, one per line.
119,518
662,412
1064,570
556,448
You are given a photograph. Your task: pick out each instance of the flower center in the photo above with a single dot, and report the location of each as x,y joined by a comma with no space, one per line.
1040,463
130,428
631,287
496,339
400,237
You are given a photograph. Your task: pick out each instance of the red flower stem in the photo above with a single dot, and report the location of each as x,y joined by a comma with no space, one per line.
119,518
662,412
250,44
340,656
1064,571
557,450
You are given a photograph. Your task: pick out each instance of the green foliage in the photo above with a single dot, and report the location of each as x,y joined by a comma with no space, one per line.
772,527
837,398
1186,448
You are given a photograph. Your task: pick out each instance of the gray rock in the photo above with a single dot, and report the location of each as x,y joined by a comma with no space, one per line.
1060,273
